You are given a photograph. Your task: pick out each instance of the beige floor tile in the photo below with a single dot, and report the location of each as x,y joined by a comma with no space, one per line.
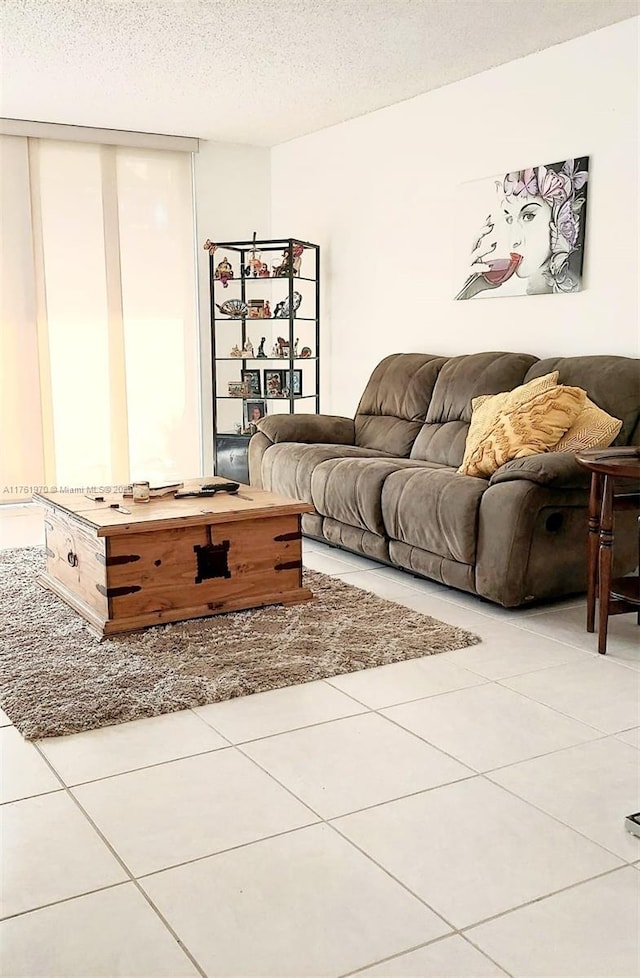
508,651
50,853
452,957
569,625
472,850
489,726
126,746
591,787
110,934
598,692
304,905
400,682
589,931
278,710
165,815
349,764
23,772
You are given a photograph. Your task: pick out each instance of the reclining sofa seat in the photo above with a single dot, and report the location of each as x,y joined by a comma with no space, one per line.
385,484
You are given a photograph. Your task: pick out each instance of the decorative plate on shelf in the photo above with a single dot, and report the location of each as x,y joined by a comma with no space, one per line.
282,309
235,308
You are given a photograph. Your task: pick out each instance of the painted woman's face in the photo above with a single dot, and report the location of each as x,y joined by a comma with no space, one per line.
527,220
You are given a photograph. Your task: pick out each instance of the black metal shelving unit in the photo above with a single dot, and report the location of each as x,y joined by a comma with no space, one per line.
230,447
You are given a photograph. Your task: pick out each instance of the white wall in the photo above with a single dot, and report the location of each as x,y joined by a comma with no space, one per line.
378,194
232,193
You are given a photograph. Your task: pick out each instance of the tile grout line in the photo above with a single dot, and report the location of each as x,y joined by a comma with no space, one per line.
419,947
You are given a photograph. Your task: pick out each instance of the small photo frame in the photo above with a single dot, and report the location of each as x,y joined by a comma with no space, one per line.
293,382
238,388
274,383
254,384
254,411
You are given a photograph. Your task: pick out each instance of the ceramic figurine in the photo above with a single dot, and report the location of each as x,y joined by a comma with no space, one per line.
289,263
224,272
264,271
275,352
305,352
235,351
267,310
261,355
247,350
210,247
295,348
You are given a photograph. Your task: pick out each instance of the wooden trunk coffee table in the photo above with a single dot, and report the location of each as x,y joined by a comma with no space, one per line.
172,559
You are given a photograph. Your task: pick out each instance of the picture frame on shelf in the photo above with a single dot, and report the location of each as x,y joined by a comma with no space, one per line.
274,383
293,382
253,380
238,388
254,411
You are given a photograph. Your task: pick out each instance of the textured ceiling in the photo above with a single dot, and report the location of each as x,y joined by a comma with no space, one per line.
261,71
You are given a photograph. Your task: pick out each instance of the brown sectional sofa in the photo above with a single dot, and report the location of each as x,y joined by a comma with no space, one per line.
384,483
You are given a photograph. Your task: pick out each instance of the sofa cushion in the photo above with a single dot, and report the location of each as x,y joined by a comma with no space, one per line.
287,467
435,509
613,383
349,490
393,406
443,436
593,428
523,422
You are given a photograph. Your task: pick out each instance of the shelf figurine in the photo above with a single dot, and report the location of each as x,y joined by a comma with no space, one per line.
236,352
267,310
261,355
247,350
210,247
264,271
290,264
224,272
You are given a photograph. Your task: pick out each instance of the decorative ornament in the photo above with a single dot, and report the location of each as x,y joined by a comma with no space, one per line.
235,308
290,264
210,247
223,272
247,350
281,311
255,262
305,352
235,352
261,355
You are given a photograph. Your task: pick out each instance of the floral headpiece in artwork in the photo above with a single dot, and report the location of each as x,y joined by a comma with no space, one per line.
560,192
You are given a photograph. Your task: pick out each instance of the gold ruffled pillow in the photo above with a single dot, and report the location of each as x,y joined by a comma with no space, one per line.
525,421
593,428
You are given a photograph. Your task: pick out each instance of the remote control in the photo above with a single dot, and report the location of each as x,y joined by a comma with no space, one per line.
211,490
221,487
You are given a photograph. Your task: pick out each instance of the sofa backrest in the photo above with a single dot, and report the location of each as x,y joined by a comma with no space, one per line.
613,383
394,404
444,434
418,405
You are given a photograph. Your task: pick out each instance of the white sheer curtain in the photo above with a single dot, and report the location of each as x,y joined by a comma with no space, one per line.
98,336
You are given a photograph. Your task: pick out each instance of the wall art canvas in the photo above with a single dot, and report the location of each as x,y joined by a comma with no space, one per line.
522,233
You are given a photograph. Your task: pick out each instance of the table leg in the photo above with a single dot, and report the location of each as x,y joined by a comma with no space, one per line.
605,562
593,544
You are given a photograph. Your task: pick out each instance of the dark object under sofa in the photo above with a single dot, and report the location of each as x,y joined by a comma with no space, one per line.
384,483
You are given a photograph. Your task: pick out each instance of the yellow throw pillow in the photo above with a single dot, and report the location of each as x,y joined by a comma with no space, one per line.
487,408
593,428
526,423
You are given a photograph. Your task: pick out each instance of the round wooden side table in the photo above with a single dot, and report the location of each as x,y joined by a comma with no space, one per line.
614,595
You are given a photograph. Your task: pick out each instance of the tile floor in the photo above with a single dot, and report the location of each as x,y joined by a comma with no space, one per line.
458,816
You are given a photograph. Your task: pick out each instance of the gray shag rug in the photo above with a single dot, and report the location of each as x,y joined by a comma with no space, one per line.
57,678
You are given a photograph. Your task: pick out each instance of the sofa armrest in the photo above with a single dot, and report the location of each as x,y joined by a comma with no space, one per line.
308,428
556,469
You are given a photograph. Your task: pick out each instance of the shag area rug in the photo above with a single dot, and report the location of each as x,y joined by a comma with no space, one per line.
57,678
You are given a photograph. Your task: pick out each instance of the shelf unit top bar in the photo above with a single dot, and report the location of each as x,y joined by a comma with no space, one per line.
265,244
